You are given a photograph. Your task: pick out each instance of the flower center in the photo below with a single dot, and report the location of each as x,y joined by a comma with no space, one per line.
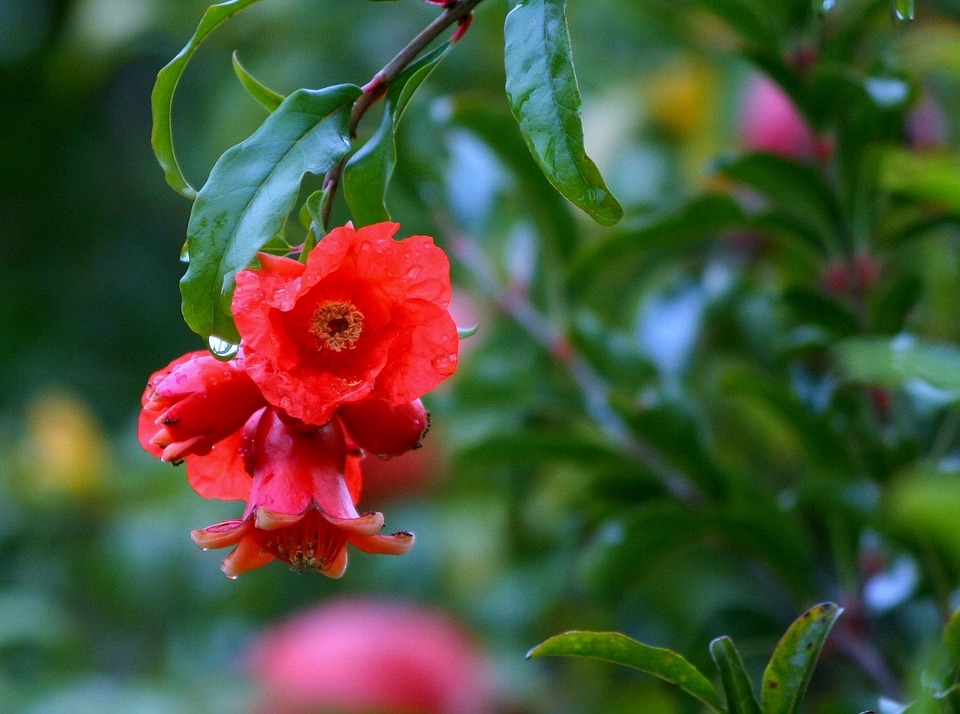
337,325
309,544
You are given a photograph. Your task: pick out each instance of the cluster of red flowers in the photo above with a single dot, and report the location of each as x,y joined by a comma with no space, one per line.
335,354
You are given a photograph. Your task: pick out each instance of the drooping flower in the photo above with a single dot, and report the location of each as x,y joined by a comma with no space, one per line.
194,402
365,315
369,656
301,503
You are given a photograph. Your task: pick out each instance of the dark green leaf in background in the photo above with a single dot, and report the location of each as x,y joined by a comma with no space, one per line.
545,99
788,673
620,649
161,100
367,174
250,191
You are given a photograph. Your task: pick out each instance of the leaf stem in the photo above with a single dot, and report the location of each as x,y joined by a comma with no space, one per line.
455,11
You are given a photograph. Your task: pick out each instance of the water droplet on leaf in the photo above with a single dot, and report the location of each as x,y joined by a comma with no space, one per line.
825,5
903,10
222,349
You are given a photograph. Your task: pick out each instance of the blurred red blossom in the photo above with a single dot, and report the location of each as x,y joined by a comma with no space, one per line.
366,314
369,656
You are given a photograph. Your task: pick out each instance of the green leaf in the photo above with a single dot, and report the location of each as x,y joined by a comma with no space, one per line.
796,189
545,99
620,649
250,191
161,100
368,172
788,673
733,677
265,96
951,640
896,361
928,177
703,217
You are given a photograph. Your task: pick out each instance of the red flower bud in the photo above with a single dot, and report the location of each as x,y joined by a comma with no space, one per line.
193,403
385,430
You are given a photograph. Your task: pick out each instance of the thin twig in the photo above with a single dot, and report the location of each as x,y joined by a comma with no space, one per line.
457,11
596,393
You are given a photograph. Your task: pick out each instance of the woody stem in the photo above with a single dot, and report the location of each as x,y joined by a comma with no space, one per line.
455,12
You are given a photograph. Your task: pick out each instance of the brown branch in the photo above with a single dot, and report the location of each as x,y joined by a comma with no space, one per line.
456,11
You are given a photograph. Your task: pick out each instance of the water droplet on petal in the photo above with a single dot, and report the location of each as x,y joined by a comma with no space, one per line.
222,349
231,577
414,272
365,246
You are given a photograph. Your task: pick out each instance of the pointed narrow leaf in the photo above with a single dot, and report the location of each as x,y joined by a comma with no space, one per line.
265,96
788,673
250,191
545,99
368,172
733,677
161,100
620,649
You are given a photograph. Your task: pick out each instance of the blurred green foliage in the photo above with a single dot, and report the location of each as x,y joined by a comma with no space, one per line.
736,403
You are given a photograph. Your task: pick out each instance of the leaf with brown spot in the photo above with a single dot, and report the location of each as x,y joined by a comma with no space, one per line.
788,673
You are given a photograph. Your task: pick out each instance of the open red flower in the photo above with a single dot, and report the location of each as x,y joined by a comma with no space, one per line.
366,314
194,402
300,506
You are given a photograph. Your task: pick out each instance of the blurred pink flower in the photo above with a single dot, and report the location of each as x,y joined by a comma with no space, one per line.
769,121
370,656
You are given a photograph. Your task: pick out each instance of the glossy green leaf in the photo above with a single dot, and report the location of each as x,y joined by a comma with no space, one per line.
545,99
161,100
737,689
620,649
896,361
250,191
788,673
367,174
266,97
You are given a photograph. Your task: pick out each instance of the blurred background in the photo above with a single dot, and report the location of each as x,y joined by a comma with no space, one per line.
524,502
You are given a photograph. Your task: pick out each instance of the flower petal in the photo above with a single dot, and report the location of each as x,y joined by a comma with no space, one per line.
367,524
394,544
245,557
220,535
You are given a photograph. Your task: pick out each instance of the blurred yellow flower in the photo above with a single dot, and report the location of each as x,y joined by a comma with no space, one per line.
64,450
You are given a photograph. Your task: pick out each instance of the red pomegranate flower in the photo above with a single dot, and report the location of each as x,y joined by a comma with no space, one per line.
366,314
300,505
194,402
